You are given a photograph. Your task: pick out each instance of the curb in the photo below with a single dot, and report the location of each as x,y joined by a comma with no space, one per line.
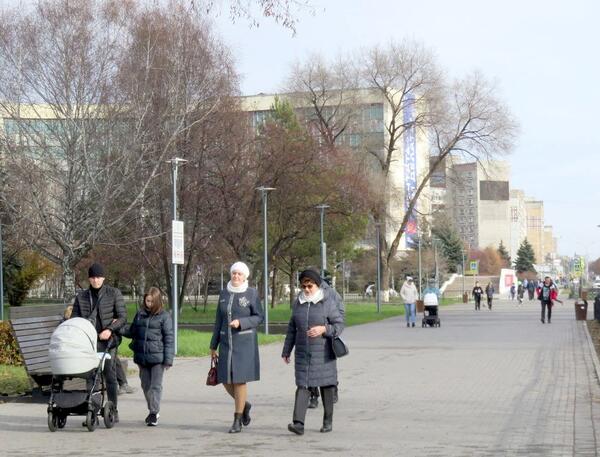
592,351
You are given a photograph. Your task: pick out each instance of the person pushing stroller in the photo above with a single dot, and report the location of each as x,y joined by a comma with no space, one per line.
104,307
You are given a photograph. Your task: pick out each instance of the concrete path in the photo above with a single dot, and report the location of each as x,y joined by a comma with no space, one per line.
486,383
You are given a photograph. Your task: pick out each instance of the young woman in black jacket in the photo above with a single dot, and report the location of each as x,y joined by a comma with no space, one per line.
152,338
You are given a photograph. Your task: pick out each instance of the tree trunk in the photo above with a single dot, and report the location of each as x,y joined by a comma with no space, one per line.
292,284
68,281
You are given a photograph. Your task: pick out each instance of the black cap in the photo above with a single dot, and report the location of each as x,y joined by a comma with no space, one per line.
312,275
96,271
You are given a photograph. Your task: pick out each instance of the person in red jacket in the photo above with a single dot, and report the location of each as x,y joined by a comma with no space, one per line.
547,294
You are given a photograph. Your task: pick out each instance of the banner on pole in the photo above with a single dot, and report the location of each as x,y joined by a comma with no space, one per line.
177,243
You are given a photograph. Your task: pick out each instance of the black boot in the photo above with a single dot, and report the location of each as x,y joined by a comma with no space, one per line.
236,427
246,414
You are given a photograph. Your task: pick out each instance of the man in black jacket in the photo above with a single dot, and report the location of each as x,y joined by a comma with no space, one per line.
103,306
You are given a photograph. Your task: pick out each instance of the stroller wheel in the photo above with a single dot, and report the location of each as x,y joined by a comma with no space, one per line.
52,422
108,413
91,421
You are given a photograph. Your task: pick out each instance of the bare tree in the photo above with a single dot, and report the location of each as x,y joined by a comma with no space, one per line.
68,159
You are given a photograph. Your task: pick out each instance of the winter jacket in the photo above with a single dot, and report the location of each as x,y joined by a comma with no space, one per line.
409,293
314,361
238,347
152,338
110,303
477,292
489,291
552,293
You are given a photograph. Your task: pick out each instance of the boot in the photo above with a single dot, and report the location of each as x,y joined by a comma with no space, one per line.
296,427
236,427
246,414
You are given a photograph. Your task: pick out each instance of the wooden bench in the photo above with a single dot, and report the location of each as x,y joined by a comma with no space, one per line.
32,327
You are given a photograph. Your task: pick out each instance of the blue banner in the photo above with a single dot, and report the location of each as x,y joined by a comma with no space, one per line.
410,170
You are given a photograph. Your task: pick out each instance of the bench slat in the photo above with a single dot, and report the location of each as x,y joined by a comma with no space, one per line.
29,345
43,326
30,320
40,368
32,331
17,312
36,351
33,337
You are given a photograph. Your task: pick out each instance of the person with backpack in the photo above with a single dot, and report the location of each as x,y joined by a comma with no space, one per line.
152,342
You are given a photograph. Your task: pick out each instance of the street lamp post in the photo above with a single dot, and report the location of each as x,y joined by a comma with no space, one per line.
420,269
1,277
322,208
378,255
175,162
264,192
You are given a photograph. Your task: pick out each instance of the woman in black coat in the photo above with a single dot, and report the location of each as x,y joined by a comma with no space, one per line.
238,315
152,342
316,319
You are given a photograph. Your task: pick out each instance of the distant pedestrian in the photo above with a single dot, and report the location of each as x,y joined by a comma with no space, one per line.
239,313
410,295
513,291
489,292
531,286
477,294
520,292
547,295
152,341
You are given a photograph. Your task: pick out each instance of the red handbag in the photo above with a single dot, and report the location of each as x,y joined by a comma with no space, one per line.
211,379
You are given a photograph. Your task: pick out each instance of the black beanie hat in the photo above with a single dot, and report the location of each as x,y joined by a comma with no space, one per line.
312,275
96,271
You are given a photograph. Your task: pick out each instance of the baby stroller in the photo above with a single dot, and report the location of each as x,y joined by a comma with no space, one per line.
430,317
72,354
430,312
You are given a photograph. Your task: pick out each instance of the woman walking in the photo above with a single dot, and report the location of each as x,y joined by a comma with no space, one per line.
477,293
152,337
238,315
410,295
489,292
316,319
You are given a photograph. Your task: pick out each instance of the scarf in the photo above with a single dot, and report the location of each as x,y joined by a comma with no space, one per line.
315,298
239,289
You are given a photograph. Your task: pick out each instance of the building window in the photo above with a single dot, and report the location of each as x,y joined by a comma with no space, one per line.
514,214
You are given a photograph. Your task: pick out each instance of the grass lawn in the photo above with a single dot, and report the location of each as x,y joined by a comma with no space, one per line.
13,380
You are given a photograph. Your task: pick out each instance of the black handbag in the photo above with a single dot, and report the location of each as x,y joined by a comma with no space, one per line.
340,349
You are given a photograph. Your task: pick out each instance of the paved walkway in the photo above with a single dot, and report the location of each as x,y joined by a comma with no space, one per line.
484,384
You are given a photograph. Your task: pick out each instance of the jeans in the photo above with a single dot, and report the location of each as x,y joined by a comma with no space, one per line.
409,312
151,377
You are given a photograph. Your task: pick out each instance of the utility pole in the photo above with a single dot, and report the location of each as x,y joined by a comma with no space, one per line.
322,208
179,258
264,192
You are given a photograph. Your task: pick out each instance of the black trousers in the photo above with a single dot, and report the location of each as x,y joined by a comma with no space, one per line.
489,299
301,404
477,302
110,373
546,304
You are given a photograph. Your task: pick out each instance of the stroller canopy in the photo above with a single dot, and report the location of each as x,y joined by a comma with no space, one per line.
72,347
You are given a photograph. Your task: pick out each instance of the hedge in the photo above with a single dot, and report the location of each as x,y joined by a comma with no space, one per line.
9,351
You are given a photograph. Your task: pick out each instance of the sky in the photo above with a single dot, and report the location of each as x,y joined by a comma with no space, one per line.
541,54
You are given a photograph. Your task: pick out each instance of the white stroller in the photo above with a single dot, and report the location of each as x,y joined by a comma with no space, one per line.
72,354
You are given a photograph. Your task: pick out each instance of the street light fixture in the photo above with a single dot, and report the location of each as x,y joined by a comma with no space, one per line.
264,191
175,162
322,208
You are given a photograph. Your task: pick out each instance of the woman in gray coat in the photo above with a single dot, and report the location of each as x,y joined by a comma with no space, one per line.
316,319
238,315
